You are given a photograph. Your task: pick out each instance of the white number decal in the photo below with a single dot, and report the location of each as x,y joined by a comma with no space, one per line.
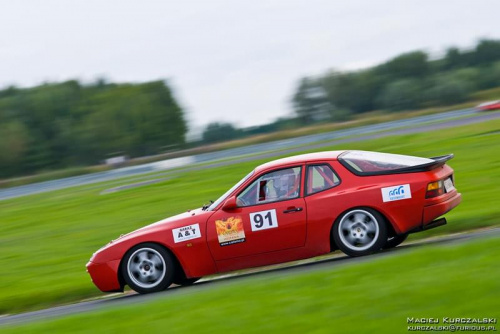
263,220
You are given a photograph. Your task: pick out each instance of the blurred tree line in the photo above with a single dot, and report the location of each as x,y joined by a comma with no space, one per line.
69,124
218,132
408,81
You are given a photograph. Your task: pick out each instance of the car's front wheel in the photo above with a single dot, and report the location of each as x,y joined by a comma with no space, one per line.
360,232
148,268
186,281
395,240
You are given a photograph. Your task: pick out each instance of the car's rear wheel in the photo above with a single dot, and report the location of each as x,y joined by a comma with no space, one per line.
148,268
360,232
395,240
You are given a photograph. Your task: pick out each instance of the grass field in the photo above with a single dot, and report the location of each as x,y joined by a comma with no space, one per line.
46,239
374,296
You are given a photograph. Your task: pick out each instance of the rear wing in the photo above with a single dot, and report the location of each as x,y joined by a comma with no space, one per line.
435,163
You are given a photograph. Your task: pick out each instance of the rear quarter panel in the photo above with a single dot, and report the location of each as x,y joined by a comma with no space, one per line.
325,207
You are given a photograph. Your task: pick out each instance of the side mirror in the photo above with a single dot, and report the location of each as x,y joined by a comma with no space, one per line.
230,204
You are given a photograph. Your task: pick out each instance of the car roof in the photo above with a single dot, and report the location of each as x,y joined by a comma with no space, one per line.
299,159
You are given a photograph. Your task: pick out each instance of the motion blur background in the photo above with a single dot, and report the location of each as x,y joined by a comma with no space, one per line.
91,80
123,93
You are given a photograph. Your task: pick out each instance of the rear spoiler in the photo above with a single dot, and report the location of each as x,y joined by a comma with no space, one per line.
437,162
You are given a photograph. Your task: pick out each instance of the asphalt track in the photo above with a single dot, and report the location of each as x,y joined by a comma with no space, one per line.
259,151
334,260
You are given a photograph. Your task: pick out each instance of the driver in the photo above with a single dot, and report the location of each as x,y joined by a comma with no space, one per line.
283,183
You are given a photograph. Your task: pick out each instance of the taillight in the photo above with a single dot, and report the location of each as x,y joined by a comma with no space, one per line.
434,189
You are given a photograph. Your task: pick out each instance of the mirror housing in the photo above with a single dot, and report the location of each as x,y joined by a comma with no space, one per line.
230,204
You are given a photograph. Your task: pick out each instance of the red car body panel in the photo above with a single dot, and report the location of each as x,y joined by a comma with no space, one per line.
488,106
301,234
104,275
433,211
290,234
194,256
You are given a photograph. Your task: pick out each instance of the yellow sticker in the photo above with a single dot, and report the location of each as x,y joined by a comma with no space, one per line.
230,231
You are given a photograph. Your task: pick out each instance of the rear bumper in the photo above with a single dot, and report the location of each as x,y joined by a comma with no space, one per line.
105,275
433,211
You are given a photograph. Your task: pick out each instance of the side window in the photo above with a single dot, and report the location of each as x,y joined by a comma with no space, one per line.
319,178
272,187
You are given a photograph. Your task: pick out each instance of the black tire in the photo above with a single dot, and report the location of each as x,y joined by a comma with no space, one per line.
180,276
186,281
148,268
395,240
360,231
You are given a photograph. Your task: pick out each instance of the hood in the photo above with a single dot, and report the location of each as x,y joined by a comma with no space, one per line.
116,248
165,224
174,221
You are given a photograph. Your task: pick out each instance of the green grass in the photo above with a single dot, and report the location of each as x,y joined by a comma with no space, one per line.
374,296
46,239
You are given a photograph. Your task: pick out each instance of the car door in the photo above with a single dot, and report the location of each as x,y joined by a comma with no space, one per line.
271,216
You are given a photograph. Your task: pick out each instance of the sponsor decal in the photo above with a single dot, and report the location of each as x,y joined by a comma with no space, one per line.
230,231
396,193
263,220
186,233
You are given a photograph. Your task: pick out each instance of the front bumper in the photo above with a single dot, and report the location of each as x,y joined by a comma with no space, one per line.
105,275
433,211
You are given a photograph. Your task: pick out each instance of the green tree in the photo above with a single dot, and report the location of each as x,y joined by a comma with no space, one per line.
216,132
14,145
449,89
408,81
352,92
408,65
67,124
487,52
400,95
453,59
310,101
489,76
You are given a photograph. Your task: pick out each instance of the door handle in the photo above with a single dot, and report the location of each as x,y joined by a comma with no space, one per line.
292,209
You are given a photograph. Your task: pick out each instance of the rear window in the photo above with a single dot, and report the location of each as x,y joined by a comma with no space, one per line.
364,162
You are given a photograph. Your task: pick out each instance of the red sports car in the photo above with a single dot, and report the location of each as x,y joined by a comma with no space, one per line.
284,210
487,106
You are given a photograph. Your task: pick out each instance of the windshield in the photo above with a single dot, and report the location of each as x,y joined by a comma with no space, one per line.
223,197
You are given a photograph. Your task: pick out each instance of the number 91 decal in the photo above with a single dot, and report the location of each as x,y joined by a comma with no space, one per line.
263,220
